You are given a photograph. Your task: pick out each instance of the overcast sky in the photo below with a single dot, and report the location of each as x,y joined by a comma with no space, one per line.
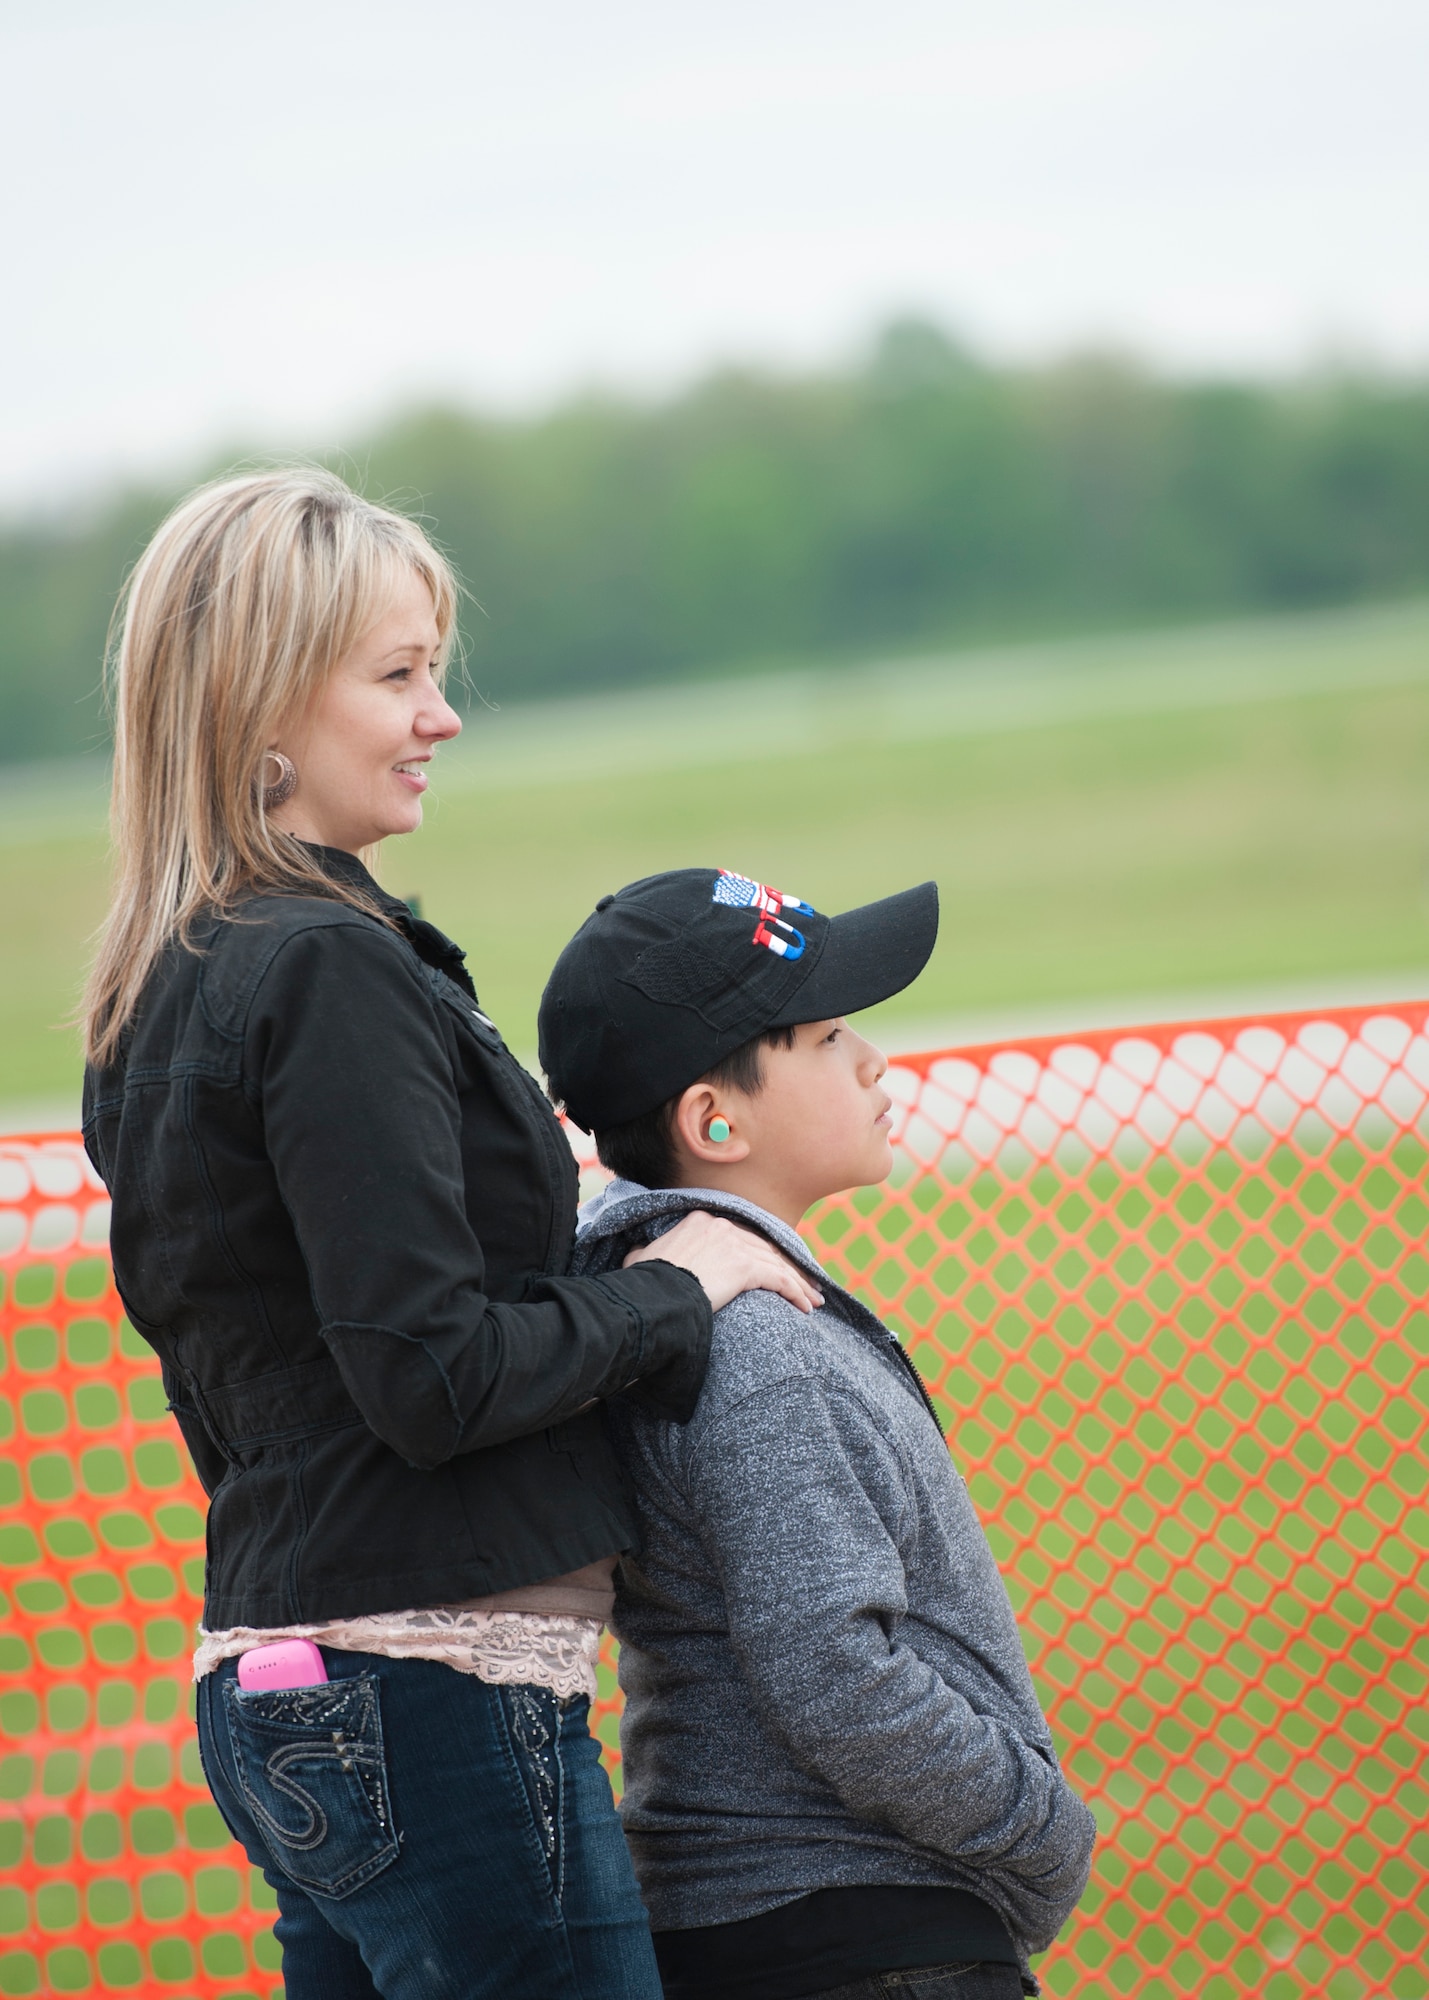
270,223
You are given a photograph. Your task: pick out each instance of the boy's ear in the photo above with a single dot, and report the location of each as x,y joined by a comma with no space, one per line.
698,1109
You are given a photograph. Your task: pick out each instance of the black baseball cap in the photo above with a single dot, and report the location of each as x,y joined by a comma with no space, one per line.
678,970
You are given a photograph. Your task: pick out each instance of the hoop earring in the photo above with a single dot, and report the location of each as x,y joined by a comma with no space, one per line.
278,794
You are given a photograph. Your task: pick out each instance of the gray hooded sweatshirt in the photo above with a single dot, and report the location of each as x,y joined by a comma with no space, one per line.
823,1679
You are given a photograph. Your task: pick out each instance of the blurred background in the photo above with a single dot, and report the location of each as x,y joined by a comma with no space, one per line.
878,443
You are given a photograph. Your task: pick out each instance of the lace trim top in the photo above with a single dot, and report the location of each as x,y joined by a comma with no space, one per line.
506,1647
541,1634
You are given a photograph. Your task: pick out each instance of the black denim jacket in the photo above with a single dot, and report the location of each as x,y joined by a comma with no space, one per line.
343,1215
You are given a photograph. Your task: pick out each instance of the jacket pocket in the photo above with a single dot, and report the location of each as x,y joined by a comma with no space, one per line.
314,1773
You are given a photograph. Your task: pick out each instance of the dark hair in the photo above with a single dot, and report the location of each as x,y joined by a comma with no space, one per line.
643,1149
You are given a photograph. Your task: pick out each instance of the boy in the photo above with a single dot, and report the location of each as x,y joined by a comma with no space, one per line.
838,1778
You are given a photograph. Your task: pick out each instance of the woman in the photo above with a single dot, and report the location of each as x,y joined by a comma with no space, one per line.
342,1216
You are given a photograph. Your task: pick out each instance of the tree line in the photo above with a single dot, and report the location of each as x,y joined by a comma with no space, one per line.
920,498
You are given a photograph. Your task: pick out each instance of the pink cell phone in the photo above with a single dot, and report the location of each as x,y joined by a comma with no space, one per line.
289,1663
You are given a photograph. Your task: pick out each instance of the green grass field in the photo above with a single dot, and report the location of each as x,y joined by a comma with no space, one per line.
1185,814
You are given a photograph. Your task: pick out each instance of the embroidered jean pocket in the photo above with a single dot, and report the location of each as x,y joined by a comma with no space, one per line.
533,1729
313,1771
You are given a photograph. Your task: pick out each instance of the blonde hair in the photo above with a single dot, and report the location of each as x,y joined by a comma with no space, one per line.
235,614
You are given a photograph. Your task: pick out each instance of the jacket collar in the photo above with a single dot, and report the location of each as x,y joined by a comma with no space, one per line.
432,946
340,866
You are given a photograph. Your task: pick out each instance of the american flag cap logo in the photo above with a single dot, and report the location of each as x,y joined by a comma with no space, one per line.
742,892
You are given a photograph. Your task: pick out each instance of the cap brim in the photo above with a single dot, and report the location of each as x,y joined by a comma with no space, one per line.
869,955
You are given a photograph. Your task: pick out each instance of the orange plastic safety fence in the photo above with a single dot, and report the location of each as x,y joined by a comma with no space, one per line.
1169,1290
116,1872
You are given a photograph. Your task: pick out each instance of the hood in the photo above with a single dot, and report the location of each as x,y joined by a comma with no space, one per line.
624,1215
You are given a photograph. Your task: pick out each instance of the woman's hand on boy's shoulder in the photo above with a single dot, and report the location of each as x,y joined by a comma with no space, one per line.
729,1259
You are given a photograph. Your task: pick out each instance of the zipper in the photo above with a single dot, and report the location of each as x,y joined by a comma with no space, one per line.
896,1344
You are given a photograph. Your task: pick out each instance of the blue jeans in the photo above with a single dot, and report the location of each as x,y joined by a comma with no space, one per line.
429,1836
